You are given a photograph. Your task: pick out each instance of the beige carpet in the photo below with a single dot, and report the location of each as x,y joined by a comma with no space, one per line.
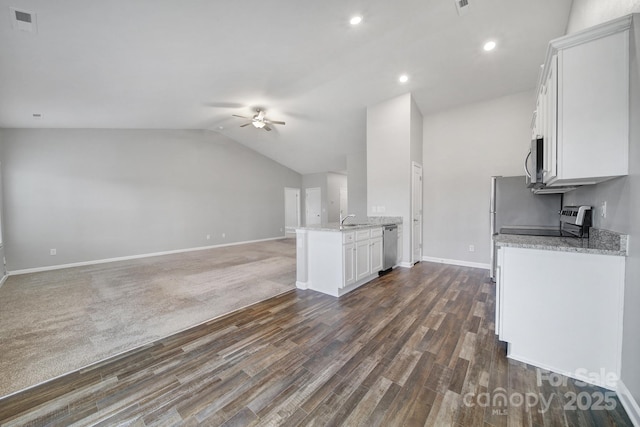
55,322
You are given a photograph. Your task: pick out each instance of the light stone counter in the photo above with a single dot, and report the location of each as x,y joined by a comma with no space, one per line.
601,242
350,224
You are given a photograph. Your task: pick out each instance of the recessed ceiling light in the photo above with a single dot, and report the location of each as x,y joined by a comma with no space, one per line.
403,78
355,20
220,127
489,46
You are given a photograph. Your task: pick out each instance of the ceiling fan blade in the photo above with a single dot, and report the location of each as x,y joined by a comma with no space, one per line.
267,128
246,124
276,122
242,117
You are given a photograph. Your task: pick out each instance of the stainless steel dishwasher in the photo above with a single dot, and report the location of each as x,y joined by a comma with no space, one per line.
390,245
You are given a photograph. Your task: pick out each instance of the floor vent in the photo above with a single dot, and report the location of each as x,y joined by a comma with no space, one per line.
462,6
25,21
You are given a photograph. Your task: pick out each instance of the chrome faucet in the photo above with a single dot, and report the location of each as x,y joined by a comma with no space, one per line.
348,216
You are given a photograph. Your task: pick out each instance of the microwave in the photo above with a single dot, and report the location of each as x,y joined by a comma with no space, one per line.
534,163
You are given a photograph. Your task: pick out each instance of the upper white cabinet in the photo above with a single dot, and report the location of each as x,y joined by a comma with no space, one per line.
582,111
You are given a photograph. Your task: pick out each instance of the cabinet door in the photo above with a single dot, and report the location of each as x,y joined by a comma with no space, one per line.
399,245
499,296
348,264
363,259
593,108
377,256
551,132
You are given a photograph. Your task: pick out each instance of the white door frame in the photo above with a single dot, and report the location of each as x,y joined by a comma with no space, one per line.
416,218
295,191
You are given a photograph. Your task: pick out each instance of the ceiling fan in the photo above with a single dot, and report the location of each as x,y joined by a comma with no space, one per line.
259,120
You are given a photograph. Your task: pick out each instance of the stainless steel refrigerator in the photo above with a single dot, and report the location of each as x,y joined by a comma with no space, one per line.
514,205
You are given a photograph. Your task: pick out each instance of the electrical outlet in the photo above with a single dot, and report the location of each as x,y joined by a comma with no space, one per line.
281,230
208,236
224,235
603,209
472,248
52,252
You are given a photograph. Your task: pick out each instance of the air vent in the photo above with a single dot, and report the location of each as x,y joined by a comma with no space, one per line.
462,6
23,21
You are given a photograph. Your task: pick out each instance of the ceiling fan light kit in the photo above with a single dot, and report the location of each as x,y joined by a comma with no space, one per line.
259,121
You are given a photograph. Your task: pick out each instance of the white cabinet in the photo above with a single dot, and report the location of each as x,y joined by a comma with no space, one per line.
399,259
562,311
363,259
348,264
363,254
377,256
582,110
336,262
499,297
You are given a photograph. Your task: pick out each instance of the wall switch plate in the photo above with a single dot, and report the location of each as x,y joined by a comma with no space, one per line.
603,209
52,252
224,235
208,236
472,248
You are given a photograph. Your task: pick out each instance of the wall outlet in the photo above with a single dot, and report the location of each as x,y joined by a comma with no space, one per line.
281,230
52,252
208,236
472,248
224,235
603,209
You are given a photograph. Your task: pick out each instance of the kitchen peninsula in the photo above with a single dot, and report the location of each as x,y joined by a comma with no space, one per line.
335,259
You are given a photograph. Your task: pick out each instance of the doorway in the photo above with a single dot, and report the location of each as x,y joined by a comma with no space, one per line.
313,206
416,212
344,209
291,211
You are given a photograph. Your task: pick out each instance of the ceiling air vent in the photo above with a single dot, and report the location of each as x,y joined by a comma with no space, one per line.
462,6
23,20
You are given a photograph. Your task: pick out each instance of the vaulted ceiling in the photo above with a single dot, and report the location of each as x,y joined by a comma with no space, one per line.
165,64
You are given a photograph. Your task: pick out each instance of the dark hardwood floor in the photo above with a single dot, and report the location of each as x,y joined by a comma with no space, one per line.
415,347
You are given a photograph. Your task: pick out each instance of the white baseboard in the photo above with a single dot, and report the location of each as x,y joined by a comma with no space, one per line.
130,257
629,403
4,279
457,262
405,265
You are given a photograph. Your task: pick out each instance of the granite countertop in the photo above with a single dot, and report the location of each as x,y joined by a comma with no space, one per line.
371,222
601,242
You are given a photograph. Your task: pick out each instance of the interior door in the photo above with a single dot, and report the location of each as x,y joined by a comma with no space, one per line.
313,206
291,210
344,210
416,213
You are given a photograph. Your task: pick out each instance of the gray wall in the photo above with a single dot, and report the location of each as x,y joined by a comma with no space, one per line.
390,145
463,148
97,194
3,267
357,184
622,194
587,13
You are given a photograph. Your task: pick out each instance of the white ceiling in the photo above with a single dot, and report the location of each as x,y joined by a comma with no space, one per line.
191,64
